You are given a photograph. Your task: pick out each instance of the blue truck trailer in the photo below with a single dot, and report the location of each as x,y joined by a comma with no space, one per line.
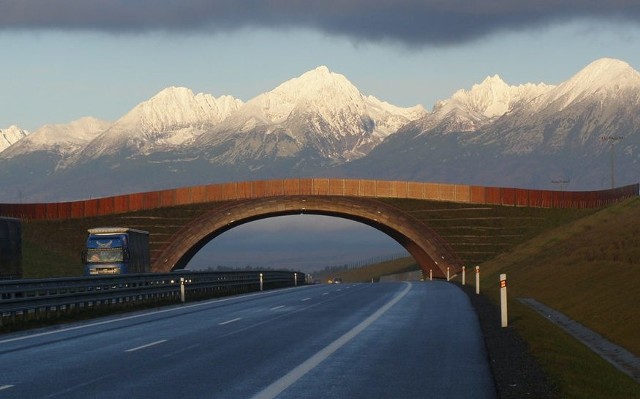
116,250
10,248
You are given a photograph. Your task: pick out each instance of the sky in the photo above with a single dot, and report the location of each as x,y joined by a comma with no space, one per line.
65,59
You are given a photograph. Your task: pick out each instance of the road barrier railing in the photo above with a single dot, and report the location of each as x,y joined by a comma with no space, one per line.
33,299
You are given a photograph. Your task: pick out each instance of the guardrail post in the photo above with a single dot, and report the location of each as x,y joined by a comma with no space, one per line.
182,295
261,282
478,280
463,275
503,300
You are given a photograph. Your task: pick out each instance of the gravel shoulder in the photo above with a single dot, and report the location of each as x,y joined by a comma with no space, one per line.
516,372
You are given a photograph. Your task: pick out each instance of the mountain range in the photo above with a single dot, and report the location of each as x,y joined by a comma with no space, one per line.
580,134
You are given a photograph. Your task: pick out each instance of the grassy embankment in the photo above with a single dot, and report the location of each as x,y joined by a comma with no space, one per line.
589,270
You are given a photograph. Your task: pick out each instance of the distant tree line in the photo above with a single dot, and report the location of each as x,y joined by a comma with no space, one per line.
358,264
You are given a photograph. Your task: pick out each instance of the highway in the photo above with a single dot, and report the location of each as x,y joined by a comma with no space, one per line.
388,340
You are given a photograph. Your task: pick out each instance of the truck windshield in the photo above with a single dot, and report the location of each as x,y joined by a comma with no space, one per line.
104,255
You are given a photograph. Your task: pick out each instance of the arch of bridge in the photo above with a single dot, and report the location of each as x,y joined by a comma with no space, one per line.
429,250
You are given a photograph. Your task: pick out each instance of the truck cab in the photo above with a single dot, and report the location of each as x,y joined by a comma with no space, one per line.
116,250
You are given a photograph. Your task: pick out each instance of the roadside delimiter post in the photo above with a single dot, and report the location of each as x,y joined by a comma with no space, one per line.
503,300
182,296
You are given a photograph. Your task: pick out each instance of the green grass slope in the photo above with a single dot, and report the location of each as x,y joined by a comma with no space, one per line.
588,269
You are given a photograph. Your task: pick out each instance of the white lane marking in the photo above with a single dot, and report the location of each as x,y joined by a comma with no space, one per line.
230,321
325,293
73,388
2,388
305,299
277,307
182,307
294,375
146,345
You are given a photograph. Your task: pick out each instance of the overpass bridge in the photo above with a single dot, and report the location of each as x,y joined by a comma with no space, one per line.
441,225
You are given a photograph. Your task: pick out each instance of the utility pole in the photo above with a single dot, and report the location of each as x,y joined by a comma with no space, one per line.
612,140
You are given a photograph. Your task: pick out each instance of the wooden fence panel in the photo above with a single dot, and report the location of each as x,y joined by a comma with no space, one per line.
167,198
105,206
352,188
198,194
91,208
291,187
336,187
477,194
275,188
183,195
121,204
368,188
320,186
415,190
385,189
521,197
151,200
306,186
493,195
215,192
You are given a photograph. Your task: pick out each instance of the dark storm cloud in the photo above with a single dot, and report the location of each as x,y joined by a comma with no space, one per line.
409,21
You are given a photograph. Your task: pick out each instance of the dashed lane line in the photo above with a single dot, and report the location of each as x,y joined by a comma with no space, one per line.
224,323
146,345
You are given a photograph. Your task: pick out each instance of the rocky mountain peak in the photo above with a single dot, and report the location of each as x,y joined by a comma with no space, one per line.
178,106
603,78
11,135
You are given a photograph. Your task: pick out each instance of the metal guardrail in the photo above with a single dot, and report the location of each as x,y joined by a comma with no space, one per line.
49,298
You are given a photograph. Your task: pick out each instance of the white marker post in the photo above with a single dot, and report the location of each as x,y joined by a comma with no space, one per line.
182,296
430,274
478,280
503,300
295,279
261,282
463,275
448,278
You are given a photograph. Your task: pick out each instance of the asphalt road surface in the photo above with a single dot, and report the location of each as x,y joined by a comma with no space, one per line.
389,340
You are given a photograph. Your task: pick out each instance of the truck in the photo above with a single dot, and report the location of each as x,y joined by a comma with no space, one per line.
116,250
10,248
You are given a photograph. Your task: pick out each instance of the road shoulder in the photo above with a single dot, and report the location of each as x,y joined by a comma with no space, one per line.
516,372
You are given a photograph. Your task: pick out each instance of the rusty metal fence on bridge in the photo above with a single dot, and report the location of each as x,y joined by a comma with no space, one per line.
318,187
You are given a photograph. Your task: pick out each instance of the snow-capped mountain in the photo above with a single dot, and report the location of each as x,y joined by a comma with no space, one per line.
539,135
29,166
11,135
319,123
61,139
470,110
319,114
602,99
172,117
